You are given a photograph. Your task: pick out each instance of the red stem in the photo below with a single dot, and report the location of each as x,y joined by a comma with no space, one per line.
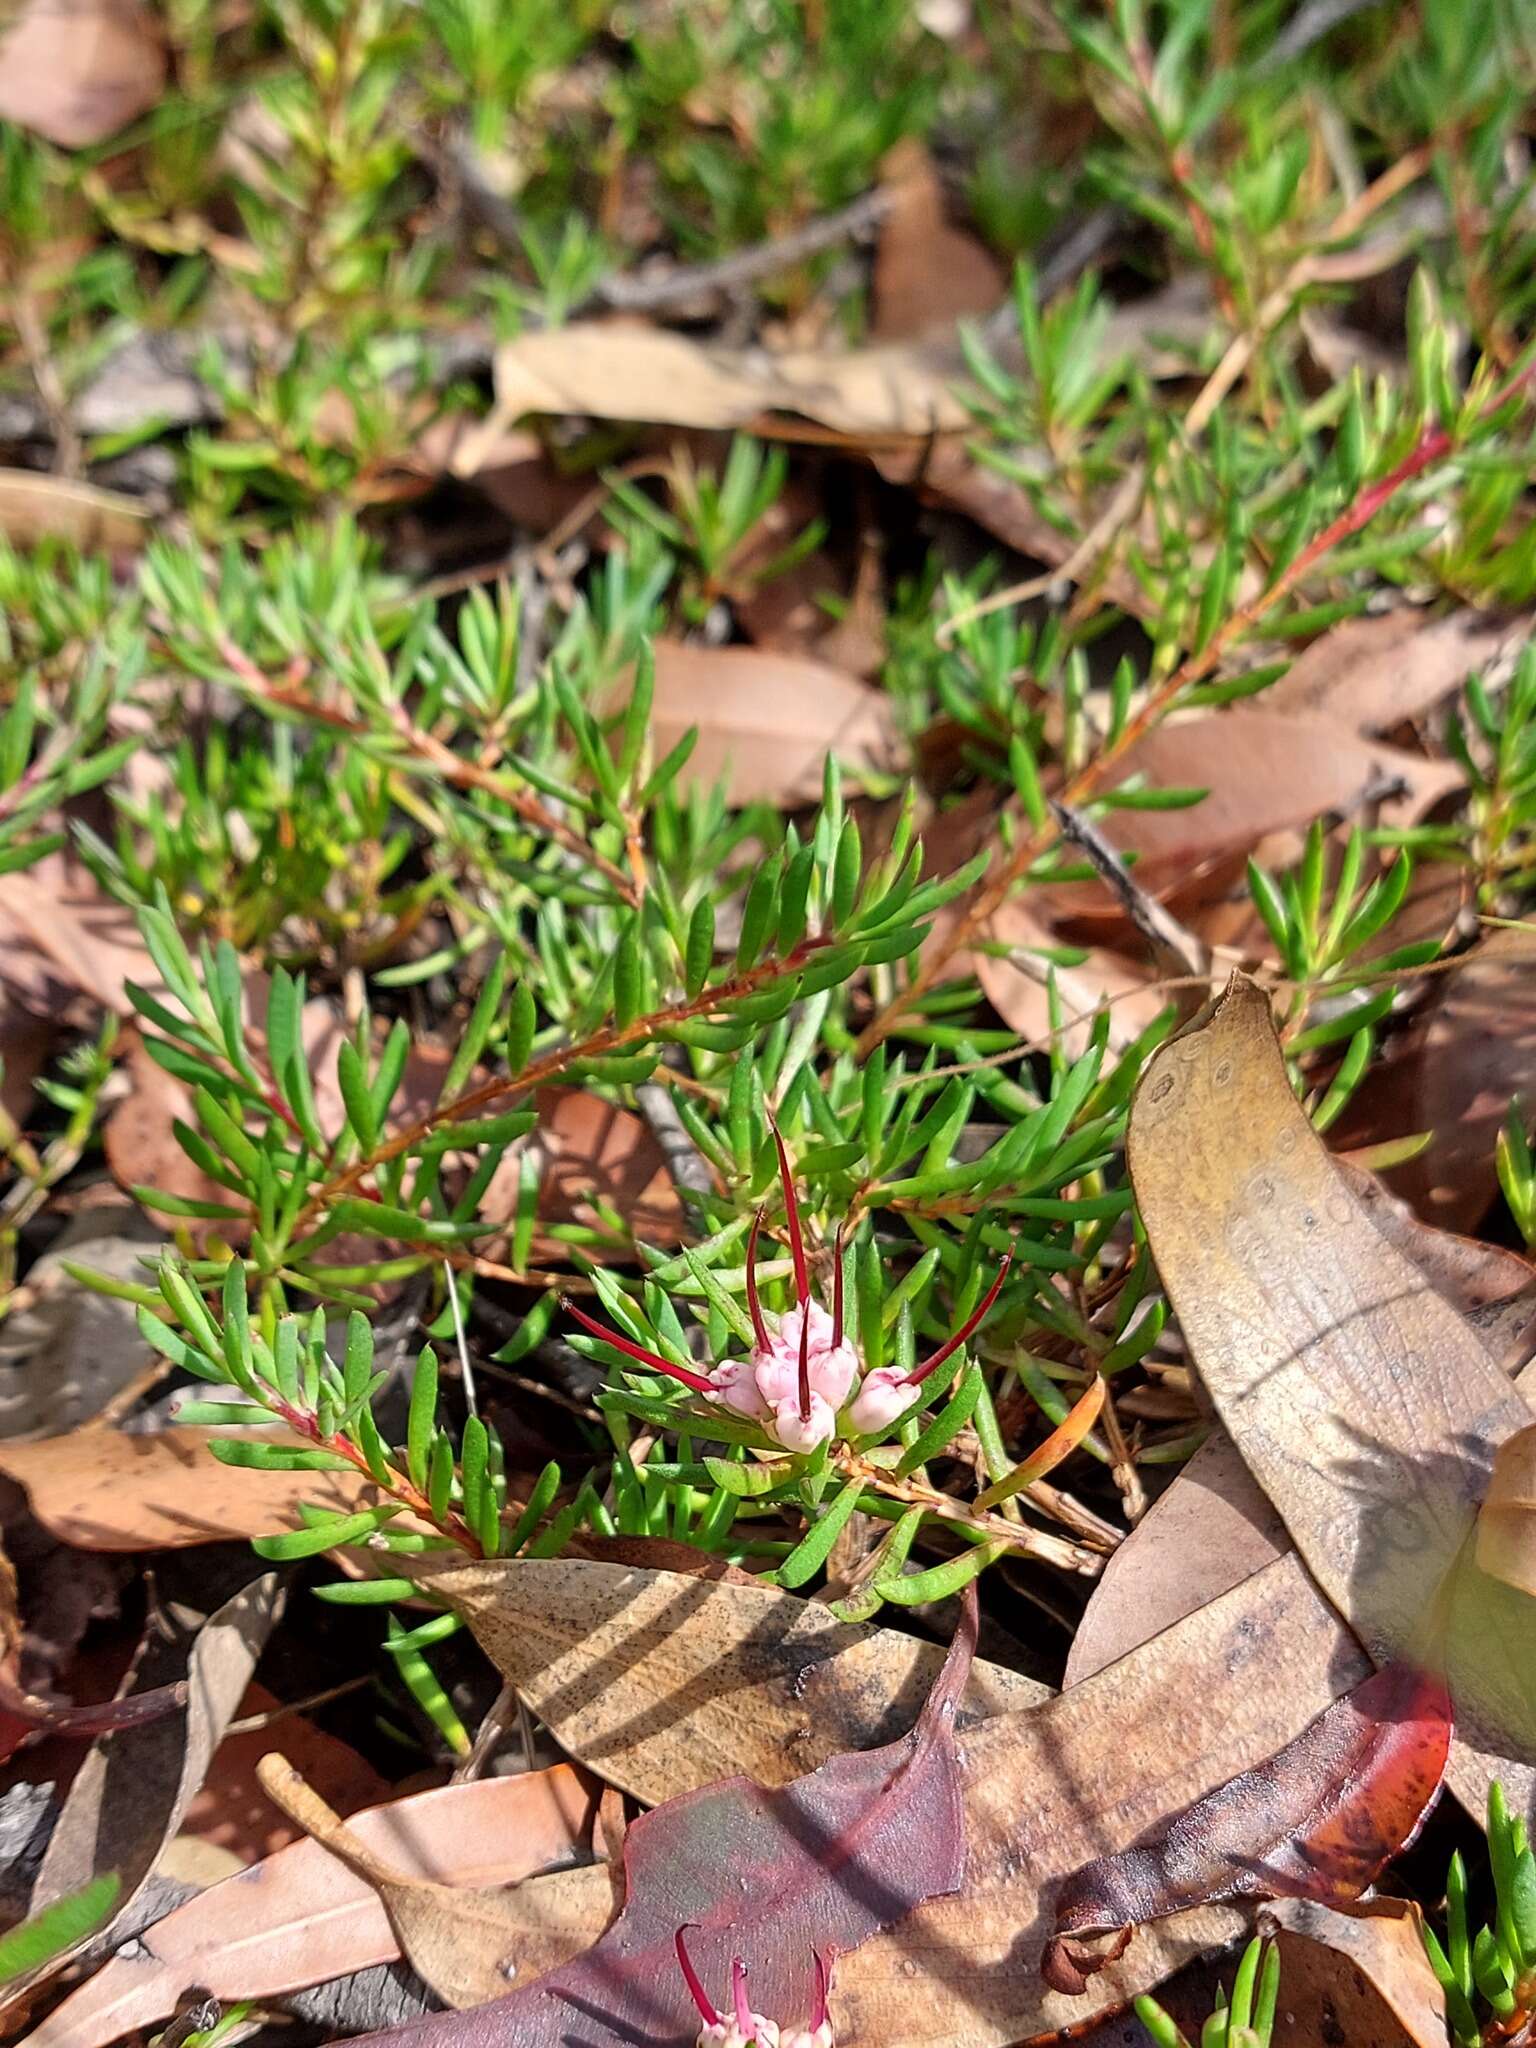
754,1305
696,1990
792,1211
837,1288
653,1359
972,1322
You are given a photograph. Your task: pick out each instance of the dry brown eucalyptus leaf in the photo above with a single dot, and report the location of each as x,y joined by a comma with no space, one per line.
1366,1407
767,721
1357,1974
1262,772
663,1683
464,1941
100,1489
297,1919
128,1797
1214,1525
1506,1523
1371,674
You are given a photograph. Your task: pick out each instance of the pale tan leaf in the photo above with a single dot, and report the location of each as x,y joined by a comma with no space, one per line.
35,508
296,1919
463,1941
618,371
1506,1525
76,71
663,1683
1357,1974
1365,1406
1214,1526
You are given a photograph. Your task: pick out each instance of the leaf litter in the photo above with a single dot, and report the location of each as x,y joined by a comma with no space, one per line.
1365,1493
773,1878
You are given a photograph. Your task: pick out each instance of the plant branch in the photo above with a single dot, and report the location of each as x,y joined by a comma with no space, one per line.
432,752
611,1039
994,889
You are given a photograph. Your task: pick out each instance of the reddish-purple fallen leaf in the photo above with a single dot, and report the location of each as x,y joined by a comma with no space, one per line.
1317,1821
819,1865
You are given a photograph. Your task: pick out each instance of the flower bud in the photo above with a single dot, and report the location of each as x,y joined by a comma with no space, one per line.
797,1432
885,1395
724,2033
733,1384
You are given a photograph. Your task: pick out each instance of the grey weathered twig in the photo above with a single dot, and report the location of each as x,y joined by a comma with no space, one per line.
679,283
1158,926
686,1164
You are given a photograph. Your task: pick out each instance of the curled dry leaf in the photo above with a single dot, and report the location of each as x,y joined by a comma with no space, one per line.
768,1875
1365,1406
1318,1820
1506,1523
1356,1974
297,1919
664,1683
99,1489
767,721
612,370
461,1940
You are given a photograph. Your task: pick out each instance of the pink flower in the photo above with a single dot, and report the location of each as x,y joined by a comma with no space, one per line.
883,1397
801,1380
745,2028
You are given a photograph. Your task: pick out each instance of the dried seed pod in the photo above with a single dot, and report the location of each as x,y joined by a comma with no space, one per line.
1506,1527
